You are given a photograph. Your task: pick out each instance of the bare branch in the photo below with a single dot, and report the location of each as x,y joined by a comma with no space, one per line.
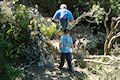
104,56
118,18
98,71
112,25
109,11
114,37
105,21
111,62
111,34
90,21
116,25
95,61
81,16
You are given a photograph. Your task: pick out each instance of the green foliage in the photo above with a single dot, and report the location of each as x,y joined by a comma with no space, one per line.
14,1
98,13
115,50
47,27
14,34
7,72
14,30
48,6
48,30
76,13
10,73
2,63
104,72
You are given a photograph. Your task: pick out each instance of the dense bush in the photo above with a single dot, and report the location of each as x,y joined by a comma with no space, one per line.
14,34
14,30
46,26
48,6
10,73
17,23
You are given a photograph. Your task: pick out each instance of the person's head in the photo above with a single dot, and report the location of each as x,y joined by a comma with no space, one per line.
63,6
67,31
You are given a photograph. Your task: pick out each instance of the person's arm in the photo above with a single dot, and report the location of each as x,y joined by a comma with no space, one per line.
72,21
60,44
72,46
56,16
55,19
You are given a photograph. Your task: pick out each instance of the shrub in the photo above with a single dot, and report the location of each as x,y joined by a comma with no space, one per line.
50,29
14,30
10,73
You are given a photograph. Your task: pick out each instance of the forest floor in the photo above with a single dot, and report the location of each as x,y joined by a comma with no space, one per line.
34,72
53,73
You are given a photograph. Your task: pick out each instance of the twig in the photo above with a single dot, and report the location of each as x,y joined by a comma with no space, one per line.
93,69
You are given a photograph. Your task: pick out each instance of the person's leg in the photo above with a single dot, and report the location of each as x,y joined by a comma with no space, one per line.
65,26
68,26
68,57
62,60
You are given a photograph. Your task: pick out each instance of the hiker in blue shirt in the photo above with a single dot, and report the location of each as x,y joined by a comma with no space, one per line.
64,18
65,49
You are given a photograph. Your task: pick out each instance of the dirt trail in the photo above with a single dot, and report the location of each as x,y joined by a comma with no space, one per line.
53,73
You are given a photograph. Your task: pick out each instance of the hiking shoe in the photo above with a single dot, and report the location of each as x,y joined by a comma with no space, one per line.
71,70
60,67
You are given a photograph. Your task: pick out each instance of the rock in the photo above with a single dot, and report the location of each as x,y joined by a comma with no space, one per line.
42,58
50,64
40,64
81,43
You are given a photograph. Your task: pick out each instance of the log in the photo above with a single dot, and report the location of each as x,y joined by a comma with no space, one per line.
112,61
98,62
104,56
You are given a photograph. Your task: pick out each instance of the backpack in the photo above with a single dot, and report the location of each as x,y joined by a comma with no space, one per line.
64,14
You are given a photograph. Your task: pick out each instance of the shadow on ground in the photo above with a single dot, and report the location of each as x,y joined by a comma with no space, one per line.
51,73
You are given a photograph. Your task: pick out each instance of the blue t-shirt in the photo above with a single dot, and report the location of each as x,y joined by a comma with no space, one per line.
63,13
66,42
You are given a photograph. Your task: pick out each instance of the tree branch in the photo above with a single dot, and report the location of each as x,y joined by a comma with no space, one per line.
105,21
90,21
81,16
104,56
112,61
115,36
95,61
115,28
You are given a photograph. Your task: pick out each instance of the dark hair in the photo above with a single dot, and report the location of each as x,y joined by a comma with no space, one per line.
66,31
